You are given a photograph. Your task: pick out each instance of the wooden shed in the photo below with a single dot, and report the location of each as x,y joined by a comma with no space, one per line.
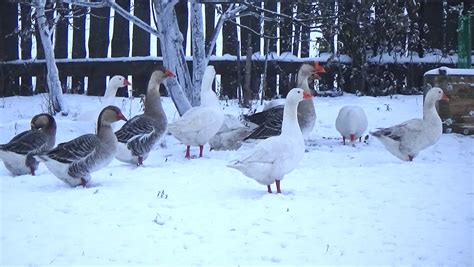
457,114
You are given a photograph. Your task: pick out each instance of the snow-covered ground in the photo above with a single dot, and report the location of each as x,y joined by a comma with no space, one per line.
356,205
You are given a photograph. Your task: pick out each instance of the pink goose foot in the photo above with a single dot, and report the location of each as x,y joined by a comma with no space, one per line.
278,186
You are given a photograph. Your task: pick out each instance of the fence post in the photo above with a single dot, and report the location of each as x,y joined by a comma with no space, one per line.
285,47
141,45
26,87
9,44
78,45
270,29
120,44
61,38
229,84
98,46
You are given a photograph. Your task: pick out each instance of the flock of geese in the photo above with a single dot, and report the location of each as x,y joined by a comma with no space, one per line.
284,127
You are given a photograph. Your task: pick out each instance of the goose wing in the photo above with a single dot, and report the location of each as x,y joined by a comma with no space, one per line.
400,131
75,149
271,126
137,127
139,134
25,142
262,117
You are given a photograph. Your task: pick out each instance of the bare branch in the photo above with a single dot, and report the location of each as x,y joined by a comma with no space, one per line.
87,3
231,12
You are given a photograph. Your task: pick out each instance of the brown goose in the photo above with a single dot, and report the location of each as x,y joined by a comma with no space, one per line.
17,155
74,161
138,136
270,120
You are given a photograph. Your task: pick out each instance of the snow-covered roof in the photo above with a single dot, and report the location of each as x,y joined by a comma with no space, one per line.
450,71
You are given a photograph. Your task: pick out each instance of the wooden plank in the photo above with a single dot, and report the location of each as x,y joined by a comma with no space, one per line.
98,47
141,44
78,45
120,43
26,86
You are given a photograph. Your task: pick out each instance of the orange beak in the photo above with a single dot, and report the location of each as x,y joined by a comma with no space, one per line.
319,68
445,97
168,73
126,82
307,95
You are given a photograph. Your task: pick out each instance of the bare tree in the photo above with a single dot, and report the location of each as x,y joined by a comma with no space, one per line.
55,91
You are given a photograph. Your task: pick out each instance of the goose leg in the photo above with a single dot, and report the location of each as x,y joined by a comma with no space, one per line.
269,189
343,140
278,186
83,182
410,157
187,152
32,169
140,160
200,150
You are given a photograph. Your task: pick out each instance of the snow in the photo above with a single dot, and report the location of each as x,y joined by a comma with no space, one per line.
450,71
356,205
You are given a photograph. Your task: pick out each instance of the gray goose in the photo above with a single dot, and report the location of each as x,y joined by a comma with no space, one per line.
407,139
17,155
139,135
74,161
270,120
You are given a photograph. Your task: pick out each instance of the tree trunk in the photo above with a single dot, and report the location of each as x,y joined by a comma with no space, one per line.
55,92
78,45
120,40
141,44
199,52
171,42
98,46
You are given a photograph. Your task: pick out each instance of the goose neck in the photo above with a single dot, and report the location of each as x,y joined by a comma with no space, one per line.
153,99
290,120
303,82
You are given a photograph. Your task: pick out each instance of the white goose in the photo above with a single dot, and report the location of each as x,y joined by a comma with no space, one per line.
73,161
351,123
270,119
407,139
199,124
231,134
17,155
108,99
276,156
139,135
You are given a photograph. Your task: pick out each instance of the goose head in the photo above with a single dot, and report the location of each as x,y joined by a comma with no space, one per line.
157,77
296,95
114,84
435,94
109,115
44,122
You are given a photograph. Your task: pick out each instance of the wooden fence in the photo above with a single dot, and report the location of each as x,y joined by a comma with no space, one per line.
131,54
